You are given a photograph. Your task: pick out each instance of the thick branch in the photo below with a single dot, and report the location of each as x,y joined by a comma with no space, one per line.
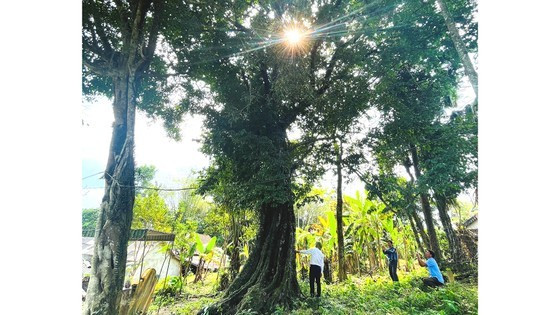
95,68
330,68
407,164
154,31
103,36
124,25
137,27
313,58
94,48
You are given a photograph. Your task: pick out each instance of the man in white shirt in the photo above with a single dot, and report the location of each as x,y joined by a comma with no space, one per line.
316,267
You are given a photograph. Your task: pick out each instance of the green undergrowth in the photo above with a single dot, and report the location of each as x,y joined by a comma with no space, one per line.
381,296
191,298
364,295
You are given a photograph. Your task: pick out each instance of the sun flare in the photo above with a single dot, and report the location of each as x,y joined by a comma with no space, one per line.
293,36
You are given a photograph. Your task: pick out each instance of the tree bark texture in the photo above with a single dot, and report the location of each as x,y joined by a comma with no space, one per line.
339,227
124,68
470,240
113,225
421,230
235,262
269,276
416,233
426,208
457,253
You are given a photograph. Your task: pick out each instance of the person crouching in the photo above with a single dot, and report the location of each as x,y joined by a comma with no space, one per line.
436,278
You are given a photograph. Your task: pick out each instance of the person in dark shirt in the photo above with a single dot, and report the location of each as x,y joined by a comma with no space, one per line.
393,257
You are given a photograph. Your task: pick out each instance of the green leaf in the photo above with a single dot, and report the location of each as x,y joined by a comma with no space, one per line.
192,250
199,245
210,245
332,224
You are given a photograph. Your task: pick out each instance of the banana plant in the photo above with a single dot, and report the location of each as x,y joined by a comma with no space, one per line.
325,232
206,253
304,238
368,226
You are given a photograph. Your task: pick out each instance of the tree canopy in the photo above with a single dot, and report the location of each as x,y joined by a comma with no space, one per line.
288,90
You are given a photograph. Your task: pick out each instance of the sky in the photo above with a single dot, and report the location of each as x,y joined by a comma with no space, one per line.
174,160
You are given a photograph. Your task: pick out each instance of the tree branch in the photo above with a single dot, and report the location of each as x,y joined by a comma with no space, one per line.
330,68
125,26
313,58
137,26
96,68
377,192
103,36
95,49
154,31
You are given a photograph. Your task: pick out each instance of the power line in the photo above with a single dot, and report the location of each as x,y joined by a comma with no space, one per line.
93,175
151,188
185,188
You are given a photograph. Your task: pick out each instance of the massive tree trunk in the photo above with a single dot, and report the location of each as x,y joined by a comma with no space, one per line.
459,46
113,226
339,229
124,66
426,208
269,276
457,253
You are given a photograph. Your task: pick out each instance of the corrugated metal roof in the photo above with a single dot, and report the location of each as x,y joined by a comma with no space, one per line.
140,235
471,220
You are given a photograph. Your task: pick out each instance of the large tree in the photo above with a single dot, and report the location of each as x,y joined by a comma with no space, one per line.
449,156
416,76
418,71
120,61
261,87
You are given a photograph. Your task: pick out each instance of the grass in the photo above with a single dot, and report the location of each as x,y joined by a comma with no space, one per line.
357,295
194,297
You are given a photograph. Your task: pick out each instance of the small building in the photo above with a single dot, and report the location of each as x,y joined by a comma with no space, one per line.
151,245
146,244
471,224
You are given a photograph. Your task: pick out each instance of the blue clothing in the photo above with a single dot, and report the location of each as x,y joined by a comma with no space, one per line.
391,254
433,268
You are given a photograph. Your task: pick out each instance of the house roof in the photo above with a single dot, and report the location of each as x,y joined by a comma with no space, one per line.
140,235
471,220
